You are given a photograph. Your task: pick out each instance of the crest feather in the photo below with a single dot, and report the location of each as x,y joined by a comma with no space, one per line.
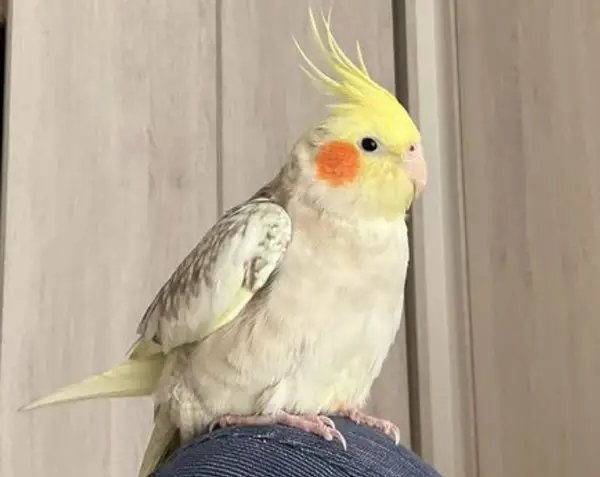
350,83
358,94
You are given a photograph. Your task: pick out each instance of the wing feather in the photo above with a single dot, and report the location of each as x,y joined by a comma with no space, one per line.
219,276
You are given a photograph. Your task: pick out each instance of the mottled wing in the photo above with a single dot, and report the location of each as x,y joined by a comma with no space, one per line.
220,275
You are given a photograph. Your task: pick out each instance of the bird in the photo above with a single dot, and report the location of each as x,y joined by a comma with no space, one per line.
285,310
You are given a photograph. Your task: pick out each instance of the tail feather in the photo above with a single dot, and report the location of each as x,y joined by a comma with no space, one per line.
163,441
142,348
132,377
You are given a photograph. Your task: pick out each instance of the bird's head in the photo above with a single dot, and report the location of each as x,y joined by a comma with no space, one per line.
365,156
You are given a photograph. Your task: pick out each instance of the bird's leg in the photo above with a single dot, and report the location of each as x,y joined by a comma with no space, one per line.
355,415
315,423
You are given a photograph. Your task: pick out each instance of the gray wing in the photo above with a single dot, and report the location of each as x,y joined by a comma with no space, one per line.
219,276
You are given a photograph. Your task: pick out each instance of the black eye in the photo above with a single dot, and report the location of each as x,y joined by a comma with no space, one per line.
368,144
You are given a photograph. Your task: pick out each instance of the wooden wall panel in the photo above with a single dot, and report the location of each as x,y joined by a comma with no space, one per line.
129,130
268,102
443,420
3,7
529,74
110,180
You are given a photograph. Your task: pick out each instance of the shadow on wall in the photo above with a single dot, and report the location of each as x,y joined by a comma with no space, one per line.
2,82
2,58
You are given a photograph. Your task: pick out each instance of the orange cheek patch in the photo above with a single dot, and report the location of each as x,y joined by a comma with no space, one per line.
337,162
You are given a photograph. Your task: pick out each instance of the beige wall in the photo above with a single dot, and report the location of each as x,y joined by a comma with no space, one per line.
130,126
530,83
517,199
439,340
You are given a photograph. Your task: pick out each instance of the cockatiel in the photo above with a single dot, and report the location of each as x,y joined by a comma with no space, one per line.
286,309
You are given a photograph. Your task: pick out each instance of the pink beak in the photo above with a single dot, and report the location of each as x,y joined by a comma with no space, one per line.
416,168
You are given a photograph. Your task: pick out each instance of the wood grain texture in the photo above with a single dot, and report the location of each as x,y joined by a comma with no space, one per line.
531,116
111,178
439,330
268,102
116,122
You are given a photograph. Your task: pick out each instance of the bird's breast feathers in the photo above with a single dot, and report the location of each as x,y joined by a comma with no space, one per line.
339,292
316,336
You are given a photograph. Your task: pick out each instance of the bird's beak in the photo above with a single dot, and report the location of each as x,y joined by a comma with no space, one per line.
415,168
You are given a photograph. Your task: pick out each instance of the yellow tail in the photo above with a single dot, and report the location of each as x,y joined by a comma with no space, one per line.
136,376
163,441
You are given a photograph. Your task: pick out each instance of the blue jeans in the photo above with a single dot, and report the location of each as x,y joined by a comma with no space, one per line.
281,451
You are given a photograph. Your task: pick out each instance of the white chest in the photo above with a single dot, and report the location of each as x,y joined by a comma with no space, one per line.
320,336
341,295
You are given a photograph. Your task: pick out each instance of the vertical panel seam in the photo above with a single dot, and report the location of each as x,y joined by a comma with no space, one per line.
454,5
412,362
219,105
6,32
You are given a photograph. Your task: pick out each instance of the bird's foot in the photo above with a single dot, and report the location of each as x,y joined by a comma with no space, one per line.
315,423
387,427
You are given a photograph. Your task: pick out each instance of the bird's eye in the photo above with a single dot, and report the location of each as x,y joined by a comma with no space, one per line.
412,148
369,144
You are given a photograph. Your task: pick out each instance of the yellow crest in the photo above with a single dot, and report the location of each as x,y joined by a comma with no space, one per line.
357,91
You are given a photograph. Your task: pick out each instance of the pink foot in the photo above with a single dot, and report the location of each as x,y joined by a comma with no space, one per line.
387,427
317,424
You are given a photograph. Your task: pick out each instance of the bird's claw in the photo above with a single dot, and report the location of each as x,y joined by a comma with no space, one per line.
323,426
315,423
387,427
